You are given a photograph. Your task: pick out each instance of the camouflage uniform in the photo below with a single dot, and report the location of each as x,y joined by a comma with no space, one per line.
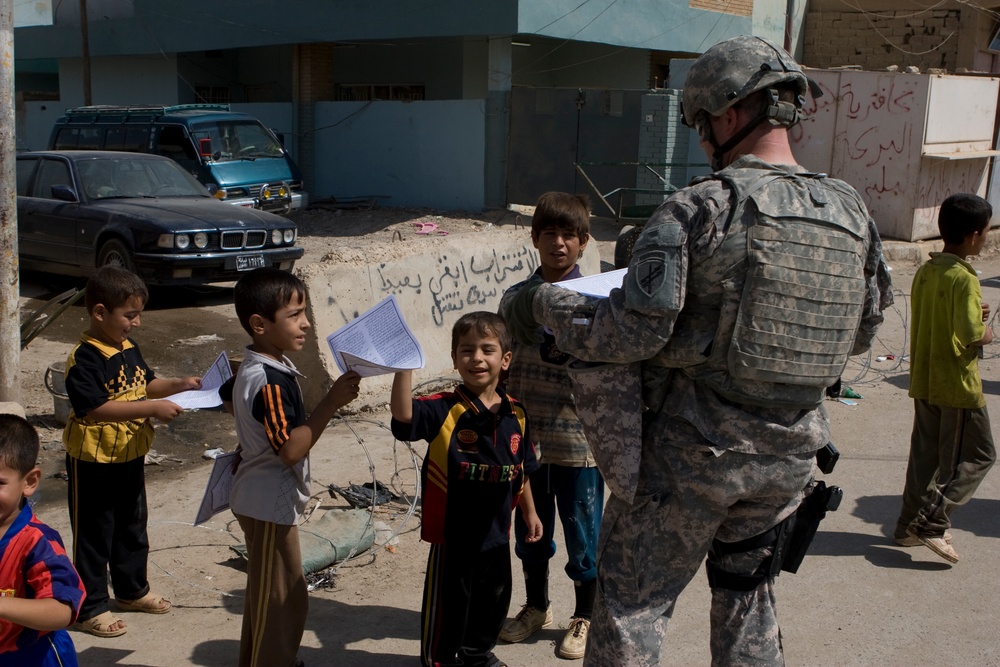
708,467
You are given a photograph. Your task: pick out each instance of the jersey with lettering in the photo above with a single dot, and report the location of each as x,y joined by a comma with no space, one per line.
34,565
475,467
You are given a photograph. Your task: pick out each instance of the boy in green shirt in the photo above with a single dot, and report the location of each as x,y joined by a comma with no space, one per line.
951,448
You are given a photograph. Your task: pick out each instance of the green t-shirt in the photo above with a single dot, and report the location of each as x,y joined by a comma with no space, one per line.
947,317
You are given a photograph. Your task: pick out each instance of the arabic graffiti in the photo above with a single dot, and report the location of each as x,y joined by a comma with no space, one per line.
475,282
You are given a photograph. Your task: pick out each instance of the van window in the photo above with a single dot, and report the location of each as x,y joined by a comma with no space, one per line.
66,139
90,138
237,140
174,144
131,139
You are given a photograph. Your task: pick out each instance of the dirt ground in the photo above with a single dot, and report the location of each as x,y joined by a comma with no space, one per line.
857,600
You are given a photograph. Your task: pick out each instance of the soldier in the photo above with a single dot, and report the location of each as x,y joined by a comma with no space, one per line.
746,293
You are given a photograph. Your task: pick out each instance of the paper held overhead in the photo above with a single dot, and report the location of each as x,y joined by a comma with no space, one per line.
377,342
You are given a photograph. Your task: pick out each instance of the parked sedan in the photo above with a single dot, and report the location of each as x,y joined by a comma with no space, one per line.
78,210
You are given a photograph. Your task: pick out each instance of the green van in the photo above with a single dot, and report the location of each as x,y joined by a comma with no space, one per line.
238,159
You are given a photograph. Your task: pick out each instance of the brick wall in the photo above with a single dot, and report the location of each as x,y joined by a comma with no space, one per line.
663,145
876,40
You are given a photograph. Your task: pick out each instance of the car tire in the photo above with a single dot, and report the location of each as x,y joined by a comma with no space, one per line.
115,253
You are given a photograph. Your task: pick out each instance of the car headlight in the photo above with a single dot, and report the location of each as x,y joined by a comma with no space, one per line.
200,240
182,241
165,241
276,236
289,235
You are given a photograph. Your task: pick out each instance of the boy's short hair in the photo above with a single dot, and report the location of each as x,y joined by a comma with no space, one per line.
262,292
483,323
18,444
113,286
962,215
561,210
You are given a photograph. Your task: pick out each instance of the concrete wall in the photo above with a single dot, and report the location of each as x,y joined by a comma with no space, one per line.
435,284
904,141
413,154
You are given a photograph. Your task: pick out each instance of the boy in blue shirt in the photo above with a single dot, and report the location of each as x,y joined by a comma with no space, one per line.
474,472
40,591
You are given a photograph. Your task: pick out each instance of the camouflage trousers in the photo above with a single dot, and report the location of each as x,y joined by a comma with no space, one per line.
650,549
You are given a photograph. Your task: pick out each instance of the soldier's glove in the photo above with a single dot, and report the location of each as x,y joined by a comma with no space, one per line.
520,317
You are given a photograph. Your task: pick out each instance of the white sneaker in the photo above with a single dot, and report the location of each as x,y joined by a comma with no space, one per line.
527,622
574,644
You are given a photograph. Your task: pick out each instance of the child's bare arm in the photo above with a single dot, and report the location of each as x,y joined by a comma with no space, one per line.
401,398
531,520
45,614
163,387
302,438
119,411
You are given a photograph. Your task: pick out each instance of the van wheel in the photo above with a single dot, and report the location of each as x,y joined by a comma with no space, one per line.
114,253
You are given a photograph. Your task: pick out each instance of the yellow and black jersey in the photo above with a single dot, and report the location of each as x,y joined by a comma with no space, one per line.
95,374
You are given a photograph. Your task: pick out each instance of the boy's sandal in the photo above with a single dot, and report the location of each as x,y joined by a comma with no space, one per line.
100,625
147,604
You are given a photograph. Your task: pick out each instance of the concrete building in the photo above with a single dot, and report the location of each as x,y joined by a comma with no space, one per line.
452,104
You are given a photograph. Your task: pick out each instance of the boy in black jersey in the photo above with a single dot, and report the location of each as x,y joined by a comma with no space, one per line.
474,473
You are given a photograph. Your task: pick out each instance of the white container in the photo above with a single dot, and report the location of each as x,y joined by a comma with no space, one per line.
55,382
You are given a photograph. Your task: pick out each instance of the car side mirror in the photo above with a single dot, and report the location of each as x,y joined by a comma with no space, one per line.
64,193
280,136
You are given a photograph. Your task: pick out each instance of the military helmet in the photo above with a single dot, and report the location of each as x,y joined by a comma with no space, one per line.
734,69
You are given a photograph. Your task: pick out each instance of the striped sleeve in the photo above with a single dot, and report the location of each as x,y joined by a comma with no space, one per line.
275,407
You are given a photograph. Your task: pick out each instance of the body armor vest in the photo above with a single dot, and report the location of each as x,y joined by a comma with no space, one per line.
771,317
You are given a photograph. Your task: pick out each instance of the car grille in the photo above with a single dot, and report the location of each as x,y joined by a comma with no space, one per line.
254,238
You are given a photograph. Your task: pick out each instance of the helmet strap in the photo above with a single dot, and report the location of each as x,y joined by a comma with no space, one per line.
777,113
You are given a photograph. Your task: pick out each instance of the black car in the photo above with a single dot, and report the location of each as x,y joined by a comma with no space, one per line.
78,210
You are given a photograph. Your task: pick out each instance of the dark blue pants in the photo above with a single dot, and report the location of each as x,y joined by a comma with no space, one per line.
578,493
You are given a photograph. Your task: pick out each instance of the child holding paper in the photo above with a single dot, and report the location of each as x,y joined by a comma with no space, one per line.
567,478
475,471
107,436
271,484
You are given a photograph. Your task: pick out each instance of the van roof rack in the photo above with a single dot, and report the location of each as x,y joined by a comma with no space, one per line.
145,109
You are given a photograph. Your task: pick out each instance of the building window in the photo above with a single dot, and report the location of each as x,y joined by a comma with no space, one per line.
363,92
212,94
263,92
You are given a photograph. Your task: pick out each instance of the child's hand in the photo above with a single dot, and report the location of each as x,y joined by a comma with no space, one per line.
188,383
986,311
345,389
164,410
534,525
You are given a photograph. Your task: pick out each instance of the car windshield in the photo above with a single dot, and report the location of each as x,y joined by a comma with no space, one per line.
136,176
224,141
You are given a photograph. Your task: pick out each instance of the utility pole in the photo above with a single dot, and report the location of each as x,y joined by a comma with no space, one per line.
10,329
85,47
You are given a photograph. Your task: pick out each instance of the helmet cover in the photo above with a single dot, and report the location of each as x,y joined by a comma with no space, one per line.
734,69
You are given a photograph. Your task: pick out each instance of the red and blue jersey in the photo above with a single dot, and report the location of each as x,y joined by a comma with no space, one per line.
474,469
34,565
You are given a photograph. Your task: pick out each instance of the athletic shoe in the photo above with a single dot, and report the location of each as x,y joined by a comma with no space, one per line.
574,644
908,541
936,544
527,622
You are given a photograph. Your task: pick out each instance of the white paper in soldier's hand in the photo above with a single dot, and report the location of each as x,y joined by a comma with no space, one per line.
377,342
599,284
